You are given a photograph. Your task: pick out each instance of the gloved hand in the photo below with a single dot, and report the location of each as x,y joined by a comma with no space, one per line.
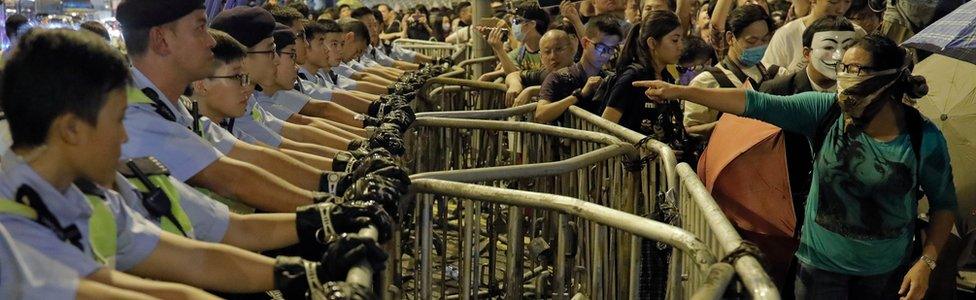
403,118
372,164
377,108
339,290
371,121
388,138
297,278
385,191
318,224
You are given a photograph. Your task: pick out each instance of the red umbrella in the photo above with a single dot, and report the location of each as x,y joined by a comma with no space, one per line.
744,167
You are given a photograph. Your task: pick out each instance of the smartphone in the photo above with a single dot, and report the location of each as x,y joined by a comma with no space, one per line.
485,30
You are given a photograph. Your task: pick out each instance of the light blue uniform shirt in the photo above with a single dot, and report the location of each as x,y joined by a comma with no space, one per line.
398,53
340,81
314,90
260,123
379,57
209,217
173,143
283,102
136,237
26,273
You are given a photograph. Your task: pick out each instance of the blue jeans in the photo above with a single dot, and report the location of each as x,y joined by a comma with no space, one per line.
816,284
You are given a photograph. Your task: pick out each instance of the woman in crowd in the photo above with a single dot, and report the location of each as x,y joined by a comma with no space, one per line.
874,158
650,47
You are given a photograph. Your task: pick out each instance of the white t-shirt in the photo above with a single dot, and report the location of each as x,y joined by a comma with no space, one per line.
697,114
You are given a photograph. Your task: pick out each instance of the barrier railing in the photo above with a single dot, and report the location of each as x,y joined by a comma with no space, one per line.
464,133
433,49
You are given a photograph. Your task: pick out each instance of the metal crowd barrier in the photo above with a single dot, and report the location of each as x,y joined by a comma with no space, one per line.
464,133
432,48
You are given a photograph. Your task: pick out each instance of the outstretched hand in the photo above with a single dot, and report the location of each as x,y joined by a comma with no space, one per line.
658,91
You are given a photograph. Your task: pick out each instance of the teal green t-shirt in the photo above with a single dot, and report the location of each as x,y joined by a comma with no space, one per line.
861,206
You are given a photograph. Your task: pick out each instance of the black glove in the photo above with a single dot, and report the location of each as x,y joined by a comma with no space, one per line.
317,224
403,118
377,167
385,191
327,198
343,161
389,139
347,251
376,109
371,121
297,278
340,290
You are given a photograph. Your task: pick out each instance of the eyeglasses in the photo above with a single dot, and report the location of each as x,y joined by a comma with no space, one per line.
244,79
601,48
272,51
293,55
855,69
518,20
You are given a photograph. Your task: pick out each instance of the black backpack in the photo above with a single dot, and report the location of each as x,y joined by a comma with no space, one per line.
602,92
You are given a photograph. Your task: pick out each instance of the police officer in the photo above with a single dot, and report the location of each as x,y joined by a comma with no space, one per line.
60,151
169,47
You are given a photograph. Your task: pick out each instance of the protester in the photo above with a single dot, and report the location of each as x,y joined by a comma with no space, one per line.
786,47
558,48
860,213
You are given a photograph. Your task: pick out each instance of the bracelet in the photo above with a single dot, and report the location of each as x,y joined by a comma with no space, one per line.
928,261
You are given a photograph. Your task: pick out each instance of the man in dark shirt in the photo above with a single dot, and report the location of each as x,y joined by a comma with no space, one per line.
557,49
576,84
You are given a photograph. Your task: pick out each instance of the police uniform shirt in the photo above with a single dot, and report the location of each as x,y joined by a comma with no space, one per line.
305,74
398,53
260,123
284,101
367,61
173,143
340,81
26,273
314,90
209,217
344,69
136,237
218,137
356,65
379,57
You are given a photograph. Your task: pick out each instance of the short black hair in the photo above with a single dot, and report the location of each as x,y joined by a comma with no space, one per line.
301,7
136,40
743,16
330,26
78,69
286,15
607,25
534,13
313,29
461,5
361,12
96,28
696,48
357,28
827,23
227,49
13,24
378,16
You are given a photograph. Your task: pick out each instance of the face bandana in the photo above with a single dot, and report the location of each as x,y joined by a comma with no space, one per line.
827,49
857,93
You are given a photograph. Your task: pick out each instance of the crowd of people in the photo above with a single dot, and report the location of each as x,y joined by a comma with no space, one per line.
256,150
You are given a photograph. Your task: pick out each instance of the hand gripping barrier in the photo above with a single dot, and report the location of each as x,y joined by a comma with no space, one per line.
434,49
449,142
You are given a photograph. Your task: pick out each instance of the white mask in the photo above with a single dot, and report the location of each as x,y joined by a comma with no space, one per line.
827,50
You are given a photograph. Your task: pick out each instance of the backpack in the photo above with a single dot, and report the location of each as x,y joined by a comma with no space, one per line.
602,92
913,123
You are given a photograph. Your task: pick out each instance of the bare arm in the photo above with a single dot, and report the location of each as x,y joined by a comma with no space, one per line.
612,114
731,101
546,111
527,95
260,232
252,185
685,14
215,267
719,15
117,284
280,164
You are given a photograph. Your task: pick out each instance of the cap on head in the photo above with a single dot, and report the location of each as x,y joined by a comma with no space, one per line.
248,25
283,36
149,13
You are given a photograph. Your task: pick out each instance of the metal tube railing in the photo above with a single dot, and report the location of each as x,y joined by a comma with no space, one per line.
750,271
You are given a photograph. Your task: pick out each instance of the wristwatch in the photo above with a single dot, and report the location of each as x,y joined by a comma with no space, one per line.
578,93
928,261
